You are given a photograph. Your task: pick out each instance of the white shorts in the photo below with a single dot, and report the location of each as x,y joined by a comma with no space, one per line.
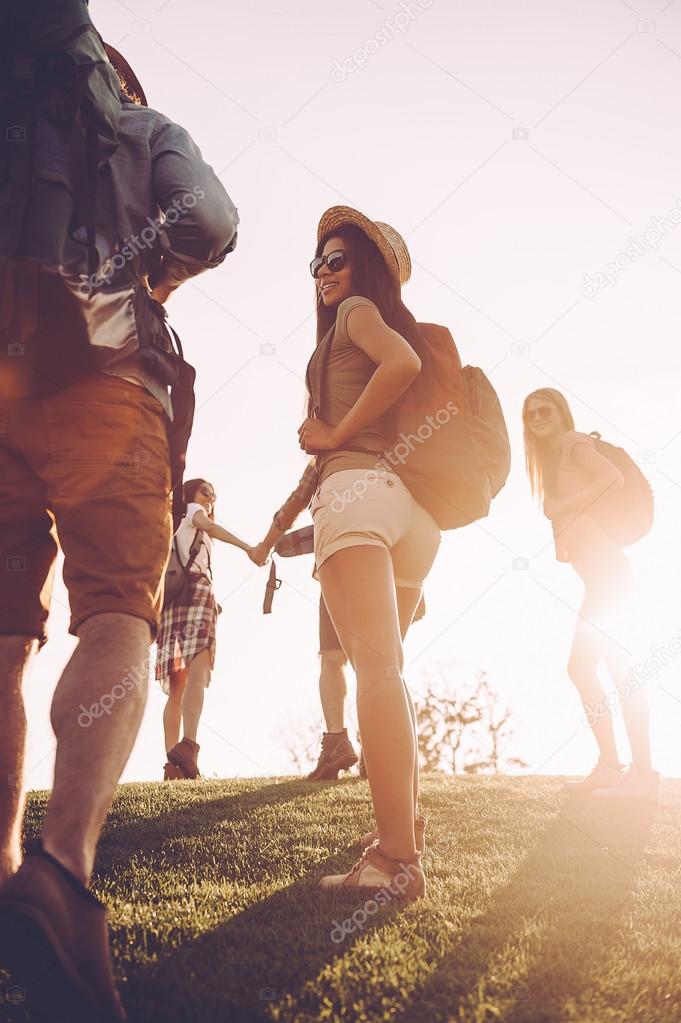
374,508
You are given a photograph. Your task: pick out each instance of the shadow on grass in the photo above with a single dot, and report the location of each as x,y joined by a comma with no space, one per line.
258,964
195,819
546,932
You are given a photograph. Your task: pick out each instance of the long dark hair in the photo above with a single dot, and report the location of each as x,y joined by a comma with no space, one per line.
371,279
190,488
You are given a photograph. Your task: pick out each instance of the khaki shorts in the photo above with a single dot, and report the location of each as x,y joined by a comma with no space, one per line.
370,508
85,467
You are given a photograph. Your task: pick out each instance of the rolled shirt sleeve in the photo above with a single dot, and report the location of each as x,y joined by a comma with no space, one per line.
200,220
298,499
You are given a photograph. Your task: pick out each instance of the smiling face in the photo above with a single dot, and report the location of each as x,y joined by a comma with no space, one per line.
206,497
544,419
334,286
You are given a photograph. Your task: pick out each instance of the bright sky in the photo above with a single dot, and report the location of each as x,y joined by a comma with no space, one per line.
517,147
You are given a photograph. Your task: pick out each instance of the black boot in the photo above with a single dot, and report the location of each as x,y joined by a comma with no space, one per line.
337,755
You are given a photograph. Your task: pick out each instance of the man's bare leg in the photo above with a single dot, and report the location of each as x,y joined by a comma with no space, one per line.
332,688
15,654
96,714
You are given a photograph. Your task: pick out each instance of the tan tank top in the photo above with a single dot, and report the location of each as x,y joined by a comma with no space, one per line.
348,371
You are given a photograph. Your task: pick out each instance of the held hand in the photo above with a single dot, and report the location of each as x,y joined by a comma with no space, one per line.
260,554
316,435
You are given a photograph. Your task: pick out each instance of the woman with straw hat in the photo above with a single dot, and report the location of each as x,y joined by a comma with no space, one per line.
370,535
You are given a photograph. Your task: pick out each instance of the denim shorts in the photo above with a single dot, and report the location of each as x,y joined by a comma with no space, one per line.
373,508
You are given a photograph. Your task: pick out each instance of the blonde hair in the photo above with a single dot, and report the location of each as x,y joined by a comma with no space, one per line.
537,451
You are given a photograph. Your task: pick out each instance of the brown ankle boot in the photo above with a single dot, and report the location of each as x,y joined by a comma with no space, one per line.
185,755
337,755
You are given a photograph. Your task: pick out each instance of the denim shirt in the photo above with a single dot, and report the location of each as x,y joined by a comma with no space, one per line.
158,167
168,201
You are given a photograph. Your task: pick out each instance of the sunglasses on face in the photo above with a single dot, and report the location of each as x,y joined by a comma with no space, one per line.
335,261
207,492
542,412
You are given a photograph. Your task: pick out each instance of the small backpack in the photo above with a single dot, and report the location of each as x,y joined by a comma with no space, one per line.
455,458
627,511
177,588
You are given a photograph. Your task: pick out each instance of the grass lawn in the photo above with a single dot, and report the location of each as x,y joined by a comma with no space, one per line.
536,911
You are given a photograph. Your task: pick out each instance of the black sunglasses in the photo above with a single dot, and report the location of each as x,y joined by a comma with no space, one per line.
542,412
335,261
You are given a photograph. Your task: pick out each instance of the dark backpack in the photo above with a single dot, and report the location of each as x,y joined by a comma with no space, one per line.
627,512
178,589
454,458
60,107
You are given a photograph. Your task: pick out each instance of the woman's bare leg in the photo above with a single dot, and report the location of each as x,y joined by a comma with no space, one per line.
172,712
584,657
407,602
359,590
633,700
192,702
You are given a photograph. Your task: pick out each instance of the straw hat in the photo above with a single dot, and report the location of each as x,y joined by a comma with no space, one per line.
122,66
389,243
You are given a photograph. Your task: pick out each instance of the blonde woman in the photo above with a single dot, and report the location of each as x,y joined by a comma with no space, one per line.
576,482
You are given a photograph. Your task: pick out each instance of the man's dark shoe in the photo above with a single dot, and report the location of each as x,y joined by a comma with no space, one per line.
337,755
185,755
54,945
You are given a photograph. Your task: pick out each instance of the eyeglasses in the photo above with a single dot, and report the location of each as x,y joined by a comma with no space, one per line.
541,412
335,261
207,492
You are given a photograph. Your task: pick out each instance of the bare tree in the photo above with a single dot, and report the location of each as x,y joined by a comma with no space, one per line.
463,728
